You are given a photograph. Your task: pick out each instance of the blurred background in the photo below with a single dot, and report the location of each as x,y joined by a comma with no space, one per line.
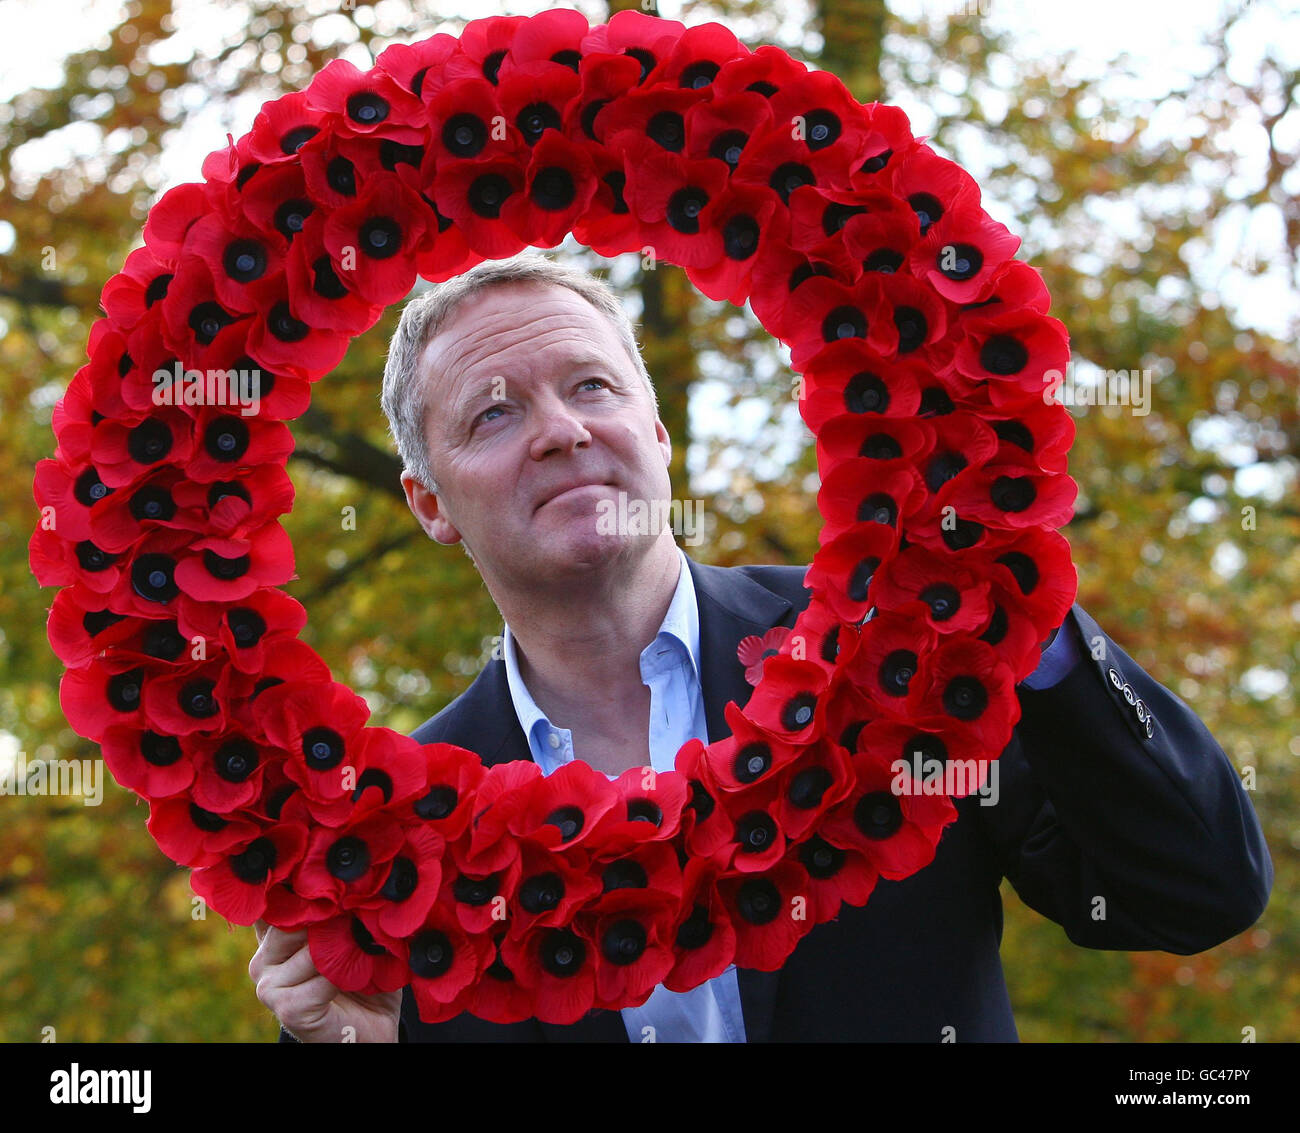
1147,153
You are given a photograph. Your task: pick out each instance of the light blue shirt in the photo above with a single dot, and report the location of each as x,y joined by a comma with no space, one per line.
670,668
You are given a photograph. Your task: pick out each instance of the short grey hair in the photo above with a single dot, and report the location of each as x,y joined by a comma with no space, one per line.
403,397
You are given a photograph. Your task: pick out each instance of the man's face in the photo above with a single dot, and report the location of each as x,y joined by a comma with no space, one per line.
537,419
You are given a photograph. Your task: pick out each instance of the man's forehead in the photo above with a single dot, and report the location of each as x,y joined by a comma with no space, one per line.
536,316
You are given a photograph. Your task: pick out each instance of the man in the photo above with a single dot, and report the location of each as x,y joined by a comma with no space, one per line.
520,406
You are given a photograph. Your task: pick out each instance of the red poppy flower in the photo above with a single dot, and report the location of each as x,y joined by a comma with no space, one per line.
484,45
393,775
605,79
651,867
321,293
932,185
142,282
349,862
348,954
754,650
473,195
245,501
671,196
822,310
822,637
124,452
965,680
559,967
788,703
608,227
842,570
832,877
647,121
170,218
488,845
747,219
152,765
236,255
768,918
819,113
496,997
781,271
481,901
192,836
633,936
764,71
195,699
417,67
910,318
648,808
552,887
864,221
146,505
535,96
889,654
105,694
819,777
645,38
226,444
1012,496
228,570
559,185
152,364
244,629
81,626
469,125
452,776
1018,353
70,494
940,755
1015,285
228,771
885,440
962,253
888,136
1037,436
236,887
890,820
849,377
782,161
318,724
283,127
849,712
443,961
861,491
751,754
704,938
56,561
412,884
281,342
955,599
565,808
365,103
707,827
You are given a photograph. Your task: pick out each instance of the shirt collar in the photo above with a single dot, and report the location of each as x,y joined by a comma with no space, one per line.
681,624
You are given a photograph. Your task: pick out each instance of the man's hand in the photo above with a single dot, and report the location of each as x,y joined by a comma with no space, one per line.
308,1006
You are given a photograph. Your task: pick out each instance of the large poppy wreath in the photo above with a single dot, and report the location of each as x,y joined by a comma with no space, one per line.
924,351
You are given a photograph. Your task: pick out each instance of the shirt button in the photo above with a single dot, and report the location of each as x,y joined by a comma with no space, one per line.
553,739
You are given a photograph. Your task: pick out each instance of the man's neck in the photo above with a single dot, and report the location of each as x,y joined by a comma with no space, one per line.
579,652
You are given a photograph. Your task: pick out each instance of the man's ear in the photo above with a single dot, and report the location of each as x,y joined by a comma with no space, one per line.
428,509
665,441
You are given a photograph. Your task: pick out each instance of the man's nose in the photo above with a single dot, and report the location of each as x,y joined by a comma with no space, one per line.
558,429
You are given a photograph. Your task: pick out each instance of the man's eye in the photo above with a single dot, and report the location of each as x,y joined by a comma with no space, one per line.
597,381
483,417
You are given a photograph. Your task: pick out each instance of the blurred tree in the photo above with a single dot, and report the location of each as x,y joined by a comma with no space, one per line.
1200,589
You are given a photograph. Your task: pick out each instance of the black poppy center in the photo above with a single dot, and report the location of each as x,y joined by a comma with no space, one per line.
728,146
695,931
881,446
755,831
124,689
90,489
563,953
226,569
820,858
535,119
941,468
1013,493
246,627
965,697
488,193
879,507
348,858
786,178
290,217
1002,354
624,942
149,442
292,141
896,671
927,209
943,599
158,750
542,893
1023,568
226,439
153,577
380,237
751,762
153,502
797,713
912,328
437,804
740,237
684,208
236,760
807,788
878,814
553,189
884,260
431,954
367,107
758,901
844,322
322,748
464,135
568,820
626,873
668,129
244,261
403,878
960,262
866,393
254,864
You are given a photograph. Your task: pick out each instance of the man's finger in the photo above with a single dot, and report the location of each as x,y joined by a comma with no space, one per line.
276,945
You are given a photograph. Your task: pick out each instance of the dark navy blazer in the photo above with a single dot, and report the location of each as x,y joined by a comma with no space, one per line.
1110,787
